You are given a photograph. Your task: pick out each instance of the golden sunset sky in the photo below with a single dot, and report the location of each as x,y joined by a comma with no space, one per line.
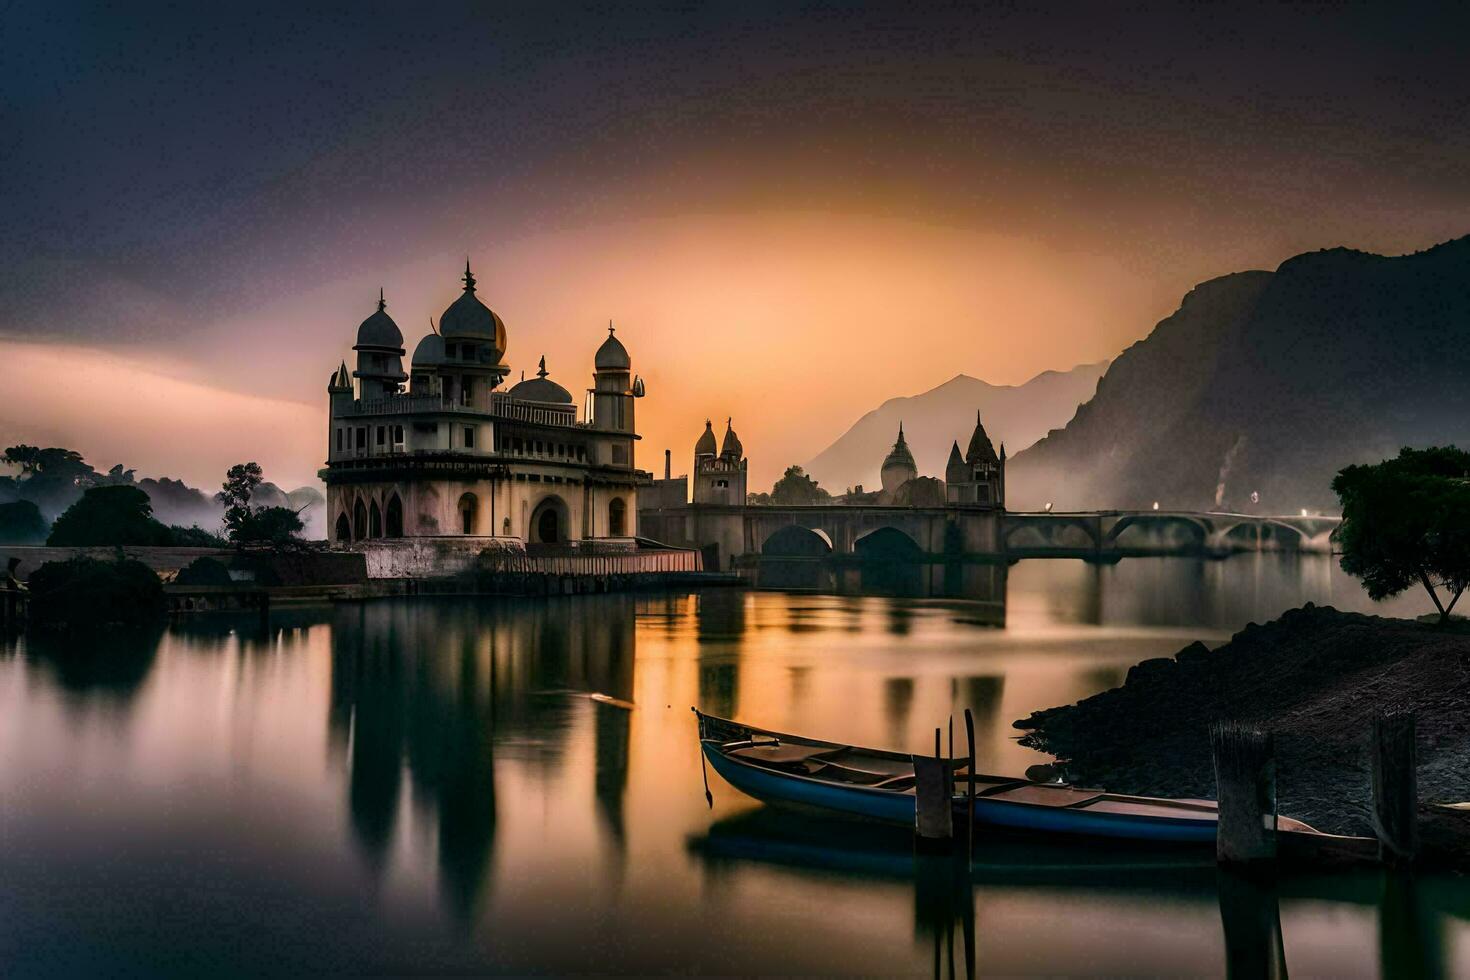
791,213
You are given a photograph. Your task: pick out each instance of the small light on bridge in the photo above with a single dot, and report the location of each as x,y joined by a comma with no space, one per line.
1304,512
1048,506
1156,505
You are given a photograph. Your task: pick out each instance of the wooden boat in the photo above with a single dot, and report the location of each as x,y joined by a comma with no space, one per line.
878,785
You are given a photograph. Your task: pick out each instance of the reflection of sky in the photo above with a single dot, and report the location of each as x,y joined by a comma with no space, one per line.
427,786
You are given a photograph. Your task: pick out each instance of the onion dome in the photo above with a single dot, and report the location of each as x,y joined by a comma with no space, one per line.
612,355
706,444
379,330
730,446
900,455
429,352
540,388
469,319
981,450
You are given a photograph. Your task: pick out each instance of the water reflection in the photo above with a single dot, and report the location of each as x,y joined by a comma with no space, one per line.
431,786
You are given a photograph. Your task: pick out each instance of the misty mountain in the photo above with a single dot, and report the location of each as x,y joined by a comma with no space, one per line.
1268,383
1017,414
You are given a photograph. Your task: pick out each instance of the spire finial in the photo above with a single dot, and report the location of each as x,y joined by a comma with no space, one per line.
433,329
609,327
469,277
382,304
730,422
977,416
542,373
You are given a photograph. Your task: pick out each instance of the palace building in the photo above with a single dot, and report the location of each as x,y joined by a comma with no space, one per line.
445,450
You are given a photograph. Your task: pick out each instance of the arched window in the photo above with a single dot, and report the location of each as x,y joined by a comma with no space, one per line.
375,521
394,517
617,518
359,522
469,506
344,528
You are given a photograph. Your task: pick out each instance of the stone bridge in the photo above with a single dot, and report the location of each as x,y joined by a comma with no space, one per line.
848,535
1107,535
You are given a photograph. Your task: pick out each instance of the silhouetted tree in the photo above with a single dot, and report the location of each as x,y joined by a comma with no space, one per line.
107,516
195,537
268,525
240,482
1406,521
21,523
51,478
795,487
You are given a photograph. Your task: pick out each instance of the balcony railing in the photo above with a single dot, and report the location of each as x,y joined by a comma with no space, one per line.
501,406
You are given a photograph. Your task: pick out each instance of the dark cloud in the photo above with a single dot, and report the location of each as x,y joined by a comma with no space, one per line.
184,156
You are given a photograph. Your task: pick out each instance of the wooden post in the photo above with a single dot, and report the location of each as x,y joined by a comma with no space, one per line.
1395,787
1251,915
933,799
970,788
1245,785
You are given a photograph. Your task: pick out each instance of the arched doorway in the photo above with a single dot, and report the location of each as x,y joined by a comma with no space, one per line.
617,518
375,521
469,509
344,528
549,523
394,517
359,522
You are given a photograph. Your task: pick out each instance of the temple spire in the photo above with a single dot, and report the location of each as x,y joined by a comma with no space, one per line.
382,304
542,373
469,277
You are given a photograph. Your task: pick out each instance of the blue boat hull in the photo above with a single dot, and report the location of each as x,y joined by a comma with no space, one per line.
898,808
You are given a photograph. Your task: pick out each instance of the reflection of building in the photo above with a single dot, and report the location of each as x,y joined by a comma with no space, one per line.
427,693
454,456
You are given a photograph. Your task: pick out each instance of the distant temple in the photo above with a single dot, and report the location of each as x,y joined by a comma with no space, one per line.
454,455
719,477
979,476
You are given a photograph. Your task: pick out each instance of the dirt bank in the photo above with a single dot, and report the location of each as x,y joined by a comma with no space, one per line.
1314,677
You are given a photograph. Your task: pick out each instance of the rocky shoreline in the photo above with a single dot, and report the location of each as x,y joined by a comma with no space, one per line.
1314,678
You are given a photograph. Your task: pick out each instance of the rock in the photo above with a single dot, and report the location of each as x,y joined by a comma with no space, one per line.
1150,671
1195,653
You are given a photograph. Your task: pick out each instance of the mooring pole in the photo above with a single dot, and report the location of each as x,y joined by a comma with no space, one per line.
1245,786
1395,787
970,787
933,799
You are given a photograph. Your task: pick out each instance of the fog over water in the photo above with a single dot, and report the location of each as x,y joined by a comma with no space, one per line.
427,785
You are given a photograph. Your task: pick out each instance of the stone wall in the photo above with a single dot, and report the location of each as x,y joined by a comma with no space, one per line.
426,557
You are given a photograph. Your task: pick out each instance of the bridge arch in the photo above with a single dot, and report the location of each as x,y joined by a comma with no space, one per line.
887,543
796,541
1059,532
1156,532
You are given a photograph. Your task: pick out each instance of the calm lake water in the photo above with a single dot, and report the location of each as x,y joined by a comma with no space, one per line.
427,786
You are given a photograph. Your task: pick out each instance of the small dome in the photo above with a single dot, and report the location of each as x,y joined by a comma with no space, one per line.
900,455
612,355
541,389
469,319
379,330
429,352
706,444
730,446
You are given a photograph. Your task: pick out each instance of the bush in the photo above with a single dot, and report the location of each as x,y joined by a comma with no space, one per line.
195,537
108,516
204,571
86,593
21,523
